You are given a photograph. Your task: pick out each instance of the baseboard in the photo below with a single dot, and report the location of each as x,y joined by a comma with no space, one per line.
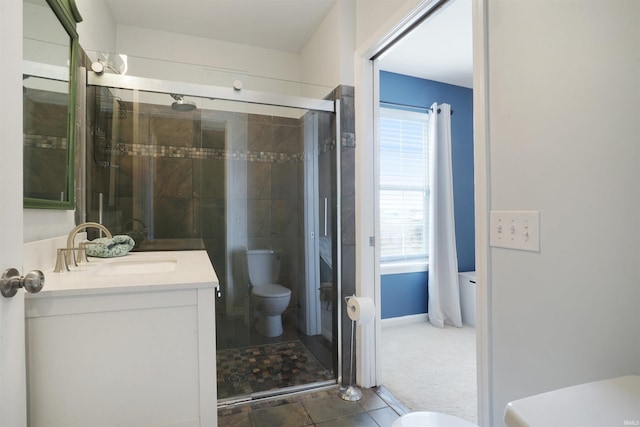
403,320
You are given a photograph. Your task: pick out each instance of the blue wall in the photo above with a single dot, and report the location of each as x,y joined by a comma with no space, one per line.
403,294
406,294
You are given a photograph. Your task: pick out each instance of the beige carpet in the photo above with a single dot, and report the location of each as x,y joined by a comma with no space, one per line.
431,369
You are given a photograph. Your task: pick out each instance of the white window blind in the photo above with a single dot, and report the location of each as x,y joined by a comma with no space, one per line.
404,185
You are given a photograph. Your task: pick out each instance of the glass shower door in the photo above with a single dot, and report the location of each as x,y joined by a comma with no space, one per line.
270,162
226,177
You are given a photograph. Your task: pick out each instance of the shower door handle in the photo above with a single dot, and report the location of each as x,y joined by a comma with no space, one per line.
326,211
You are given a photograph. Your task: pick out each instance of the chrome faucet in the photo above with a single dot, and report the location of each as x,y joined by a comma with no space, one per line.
66,257
78,228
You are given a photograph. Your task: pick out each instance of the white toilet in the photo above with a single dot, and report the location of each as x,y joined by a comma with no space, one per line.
430,419
269,299
608,402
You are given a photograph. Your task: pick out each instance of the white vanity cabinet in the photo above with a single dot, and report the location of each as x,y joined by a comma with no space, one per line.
138,354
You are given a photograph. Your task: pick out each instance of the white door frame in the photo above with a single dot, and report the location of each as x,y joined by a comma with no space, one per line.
367,257
13,389
482,168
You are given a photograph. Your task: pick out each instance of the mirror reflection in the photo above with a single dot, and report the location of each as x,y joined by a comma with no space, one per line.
46,100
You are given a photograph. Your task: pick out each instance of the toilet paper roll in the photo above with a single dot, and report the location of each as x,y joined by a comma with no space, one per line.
361,309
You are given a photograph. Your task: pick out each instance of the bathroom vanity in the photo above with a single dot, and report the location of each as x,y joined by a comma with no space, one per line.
124,341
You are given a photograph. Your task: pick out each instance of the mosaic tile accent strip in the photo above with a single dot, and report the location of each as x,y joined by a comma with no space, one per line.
145,150
348,139
247,370
327,145
44,141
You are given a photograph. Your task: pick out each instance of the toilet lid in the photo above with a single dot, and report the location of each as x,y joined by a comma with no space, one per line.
271,291
430,419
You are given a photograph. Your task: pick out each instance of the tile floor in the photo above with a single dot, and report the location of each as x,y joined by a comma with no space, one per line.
377,408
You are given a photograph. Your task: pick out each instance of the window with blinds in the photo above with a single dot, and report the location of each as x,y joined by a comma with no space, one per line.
404,185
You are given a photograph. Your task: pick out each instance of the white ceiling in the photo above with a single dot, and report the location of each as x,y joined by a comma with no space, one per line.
439,49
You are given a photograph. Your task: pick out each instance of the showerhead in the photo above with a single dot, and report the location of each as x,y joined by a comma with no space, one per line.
181,105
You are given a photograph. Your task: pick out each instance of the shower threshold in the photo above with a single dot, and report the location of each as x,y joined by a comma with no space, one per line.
277,394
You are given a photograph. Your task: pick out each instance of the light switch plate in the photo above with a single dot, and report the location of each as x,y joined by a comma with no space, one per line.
515,230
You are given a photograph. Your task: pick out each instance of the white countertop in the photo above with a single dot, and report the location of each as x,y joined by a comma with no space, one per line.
611,402
140,271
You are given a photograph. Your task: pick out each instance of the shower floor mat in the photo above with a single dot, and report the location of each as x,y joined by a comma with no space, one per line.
247,370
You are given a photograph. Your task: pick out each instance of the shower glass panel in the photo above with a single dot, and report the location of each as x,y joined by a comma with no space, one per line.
225,177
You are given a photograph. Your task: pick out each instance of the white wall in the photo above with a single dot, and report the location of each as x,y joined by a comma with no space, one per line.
98,29
375,18
42,224
219,61
173,56
564,136
564,96
327,59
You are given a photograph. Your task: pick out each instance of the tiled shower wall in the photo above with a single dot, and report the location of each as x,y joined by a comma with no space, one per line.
204,179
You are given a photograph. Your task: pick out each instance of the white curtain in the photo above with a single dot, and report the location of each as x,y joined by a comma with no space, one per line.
444,292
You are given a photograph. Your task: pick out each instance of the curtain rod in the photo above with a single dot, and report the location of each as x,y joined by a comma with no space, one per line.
397,104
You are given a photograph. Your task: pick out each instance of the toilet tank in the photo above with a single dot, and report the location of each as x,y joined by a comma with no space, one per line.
262,266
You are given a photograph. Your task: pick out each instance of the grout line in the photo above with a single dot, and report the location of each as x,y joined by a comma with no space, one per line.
392,402
388,399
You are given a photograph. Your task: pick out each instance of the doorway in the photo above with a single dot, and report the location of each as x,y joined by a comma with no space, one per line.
407,86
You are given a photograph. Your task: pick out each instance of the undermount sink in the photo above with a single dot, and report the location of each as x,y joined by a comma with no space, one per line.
125,267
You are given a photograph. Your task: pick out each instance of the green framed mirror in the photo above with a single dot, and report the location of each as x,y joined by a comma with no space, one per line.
50,49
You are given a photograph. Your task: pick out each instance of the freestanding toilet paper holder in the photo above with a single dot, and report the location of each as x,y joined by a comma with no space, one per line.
351,392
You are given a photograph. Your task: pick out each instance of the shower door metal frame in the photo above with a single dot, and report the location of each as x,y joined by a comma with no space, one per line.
205,91
312,321
338,296
264,98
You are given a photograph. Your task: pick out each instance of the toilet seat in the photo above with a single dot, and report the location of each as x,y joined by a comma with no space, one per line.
430,419
271,291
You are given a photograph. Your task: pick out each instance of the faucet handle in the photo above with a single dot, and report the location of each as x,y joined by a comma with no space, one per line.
62,263
82,252
71,257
